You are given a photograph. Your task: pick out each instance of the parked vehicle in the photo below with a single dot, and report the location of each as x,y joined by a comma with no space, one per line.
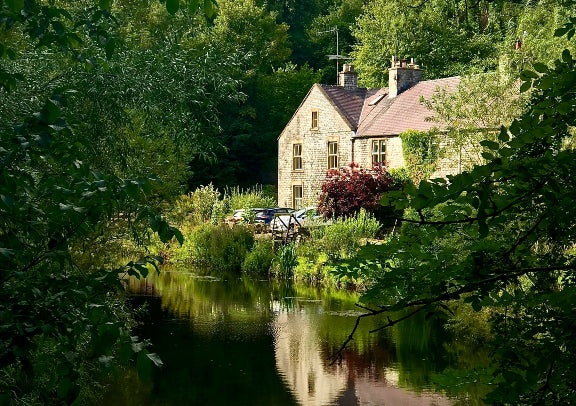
267,215
294,220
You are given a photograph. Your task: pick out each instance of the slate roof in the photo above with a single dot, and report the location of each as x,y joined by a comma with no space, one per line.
348,101
388,116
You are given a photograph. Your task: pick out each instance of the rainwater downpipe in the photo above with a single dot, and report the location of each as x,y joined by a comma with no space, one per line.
352,146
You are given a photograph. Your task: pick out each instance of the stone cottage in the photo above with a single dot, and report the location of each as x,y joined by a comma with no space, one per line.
337,125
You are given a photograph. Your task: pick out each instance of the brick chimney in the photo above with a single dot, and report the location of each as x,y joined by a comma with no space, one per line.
402,75
348,79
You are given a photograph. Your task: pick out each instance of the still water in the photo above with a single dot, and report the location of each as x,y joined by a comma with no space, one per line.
239,341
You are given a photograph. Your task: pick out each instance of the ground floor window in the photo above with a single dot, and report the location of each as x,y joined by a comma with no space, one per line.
378,151
297,194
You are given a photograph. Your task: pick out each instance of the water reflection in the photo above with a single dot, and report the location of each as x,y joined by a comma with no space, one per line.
235,341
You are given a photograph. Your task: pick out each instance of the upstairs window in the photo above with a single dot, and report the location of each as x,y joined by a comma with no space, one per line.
314,124
378,151
297,157
297,194
332,155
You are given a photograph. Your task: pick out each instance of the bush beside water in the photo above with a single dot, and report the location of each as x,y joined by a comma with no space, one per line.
215,246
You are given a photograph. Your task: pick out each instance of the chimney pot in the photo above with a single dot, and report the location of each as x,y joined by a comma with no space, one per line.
402,76
348,78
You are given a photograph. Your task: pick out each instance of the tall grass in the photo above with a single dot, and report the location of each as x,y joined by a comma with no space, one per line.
256,196
345,236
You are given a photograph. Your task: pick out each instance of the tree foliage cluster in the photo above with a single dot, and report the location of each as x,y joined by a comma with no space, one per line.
500,237
79,138
451,38
347,190
421,151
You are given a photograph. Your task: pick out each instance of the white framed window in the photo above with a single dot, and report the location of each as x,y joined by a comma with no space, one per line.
333,155
378,151
314,123
297,157
297,196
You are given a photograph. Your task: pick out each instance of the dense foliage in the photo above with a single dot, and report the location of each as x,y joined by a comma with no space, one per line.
64,181
499,236
347,190
421,151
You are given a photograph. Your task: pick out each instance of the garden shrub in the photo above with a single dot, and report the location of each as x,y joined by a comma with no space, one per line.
220,209
344,236
181,210
347,190
260,257
203,200
220,247
314,270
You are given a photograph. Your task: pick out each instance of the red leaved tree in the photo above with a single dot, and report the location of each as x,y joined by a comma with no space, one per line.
346,190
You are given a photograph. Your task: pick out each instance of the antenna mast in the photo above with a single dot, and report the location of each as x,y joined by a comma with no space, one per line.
337,56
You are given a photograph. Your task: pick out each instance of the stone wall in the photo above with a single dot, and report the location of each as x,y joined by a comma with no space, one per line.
331,127
363,151
456,160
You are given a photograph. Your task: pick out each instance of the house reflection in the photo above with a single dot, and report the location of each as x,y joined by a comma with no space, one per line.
302,362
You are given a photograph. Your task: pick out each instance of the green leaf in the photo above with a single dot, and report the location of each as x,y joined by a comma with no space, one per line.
64,387
105,4
15,5
560,31
53,110
7,253
132,189
144,366
506,152
125,353
487,156
178,235
172,6
503,136
209,8
482,228
193,5
528,74
545,82
525,86
565,107
493,145
155,359
110,47
476,305
566,56
540,67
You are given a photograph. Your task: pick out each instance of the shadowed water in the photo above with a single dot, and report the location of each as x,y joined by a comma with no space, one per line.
238,341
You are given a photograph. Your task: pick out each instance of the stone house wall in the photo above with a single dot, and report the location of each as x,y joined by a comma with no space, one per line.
363,151
331,127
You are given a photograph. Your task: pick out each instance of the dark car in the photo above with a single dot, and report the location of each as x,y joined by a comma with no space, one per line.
267,215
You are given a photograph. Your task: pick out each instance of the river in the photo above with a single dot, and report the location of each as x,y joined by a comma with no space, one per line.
239,341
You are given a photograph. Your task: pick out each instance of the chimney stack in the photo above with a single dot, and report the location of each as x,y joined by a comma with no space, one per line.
402,75
348,79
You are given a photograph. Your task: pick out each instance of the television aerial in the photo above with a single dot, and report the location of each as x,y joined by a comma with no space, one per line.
336,57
